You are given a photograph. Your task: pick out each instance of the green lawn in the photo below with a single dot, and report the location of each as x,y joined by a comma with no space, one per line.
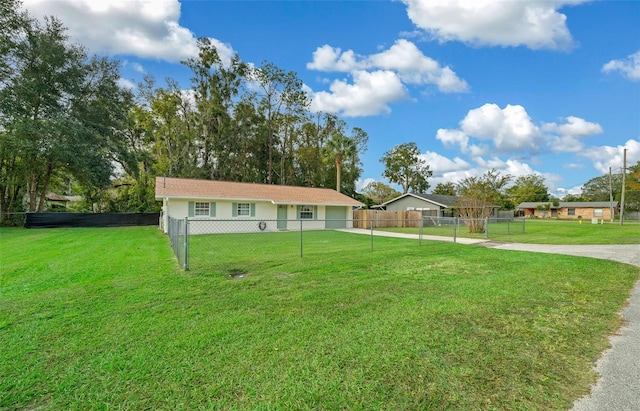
104,319
543,232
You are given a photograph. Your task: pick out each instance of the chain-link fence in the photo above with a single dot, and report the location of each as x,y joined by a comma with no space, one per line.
487,228
210,243
179,238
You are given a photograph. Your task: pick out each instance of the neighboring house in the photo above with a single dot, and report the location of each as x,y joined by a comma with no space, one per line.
59,202
577,209
273,207
431,205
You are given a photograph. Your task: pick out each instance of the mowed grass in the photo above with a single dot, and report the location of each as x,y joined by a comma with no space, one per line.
544,232
104,319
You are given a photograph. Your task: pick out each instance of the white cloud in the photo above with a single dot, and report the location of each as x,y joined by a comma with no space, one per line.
142,28
327,58
509,129
566,136
134,65
608,156
440,164
124,83
629,67
403,58
451,138
536,24
360,184
369,94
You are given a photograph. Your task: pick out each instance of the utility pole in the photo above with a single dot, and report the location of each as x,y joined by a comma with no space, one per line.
610,197
624,183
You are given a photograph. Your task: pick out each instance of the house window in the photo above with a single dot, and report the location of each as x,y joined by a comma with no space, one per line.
571,211
244,209
201,209
597,212
306,212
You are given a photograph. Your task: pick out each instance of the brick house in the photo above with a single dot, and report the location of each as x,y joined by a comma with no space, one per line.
577,209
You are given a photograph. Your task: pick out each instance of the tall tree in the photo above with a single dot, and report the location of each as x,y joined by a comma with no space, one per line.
404,166
60,113
215,87
530,187
340,147
632,193
478,196
448,189
13,23
379,192
280,92
597,188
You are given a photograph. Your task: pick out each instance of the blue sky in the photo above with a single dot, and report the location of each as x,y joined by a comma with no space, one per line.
545,87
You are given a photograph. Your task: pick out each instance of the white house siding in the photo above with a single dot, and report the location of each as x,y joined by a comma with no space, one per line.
264,211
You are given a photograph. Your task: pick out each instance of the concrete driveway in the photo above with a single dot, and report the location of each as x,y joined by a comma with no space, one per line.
628,254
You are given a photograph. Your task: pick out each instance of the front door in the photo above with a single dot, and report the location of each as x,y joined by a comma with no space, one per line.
282,217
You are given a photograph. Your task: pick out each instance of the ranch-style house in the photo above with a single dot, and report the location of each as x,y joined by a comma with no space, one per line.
575,209
273,207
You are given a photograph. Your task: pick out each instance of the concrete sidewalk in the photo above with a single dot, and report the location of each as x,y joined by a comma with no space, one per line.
618,387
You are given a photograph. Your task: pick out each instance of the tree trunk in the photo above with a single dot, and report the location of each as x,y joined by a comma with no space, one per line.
338,172
33,191
45,187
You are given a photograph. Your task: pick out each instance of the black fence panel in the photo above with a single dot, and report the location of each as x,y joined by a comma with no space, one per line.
56,220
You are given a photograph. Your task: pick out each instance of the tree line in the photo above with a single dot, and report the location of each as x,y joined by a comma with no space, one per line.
68,126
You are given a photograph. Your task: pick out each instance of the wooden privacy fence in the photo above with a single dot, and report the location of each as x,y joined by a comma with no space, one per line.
380,218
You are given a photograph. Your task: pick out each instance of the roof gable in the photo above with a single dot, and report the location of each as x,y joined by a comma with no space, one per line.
227,190
444,201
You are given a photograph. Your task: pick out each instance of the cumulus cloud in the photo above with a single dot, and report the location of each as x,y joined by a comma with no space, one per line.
403,58
370,94
604,157
566,136
142,28
629,67
509,129
440,164
327,58
394,69
536,24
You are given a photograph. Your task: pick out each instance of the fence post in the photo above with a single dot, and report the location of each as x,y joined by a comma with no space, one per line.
300,238
420,230
455,228
371,235
186,243
486,227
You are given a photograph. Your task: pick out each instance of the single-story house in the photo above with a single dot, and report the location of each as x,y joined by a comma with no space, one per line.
431,205
56,201
267,207
571,209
